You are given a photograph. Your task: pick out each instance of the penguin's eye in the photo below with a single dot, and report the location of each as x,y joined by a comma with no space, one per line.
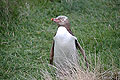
62,19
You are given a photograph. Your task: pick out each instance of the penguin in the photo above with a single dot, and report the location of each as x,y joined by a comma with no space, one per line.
65,44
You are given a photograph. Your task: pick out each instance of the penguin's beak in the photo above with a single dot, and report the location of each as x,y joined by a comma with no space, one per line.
54,19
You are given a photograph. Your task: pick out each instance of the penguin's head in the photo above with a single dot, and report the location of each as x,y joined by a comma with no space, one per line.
61,20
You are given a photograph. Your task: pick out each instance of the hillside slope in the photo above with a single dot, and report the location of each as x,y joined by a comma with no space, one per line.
25,39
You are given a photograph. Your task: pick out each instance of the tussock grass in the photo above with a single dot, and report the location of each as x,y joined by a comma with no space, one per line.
26,35
69,71
80,72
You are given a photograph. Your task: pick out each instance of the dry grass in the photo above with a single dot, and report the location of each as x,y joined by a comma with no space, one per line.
71,71
80,71
73,74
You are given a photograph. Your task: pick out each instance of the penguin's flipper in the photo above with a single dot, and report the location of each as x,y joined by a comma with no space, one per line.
52,54
81,50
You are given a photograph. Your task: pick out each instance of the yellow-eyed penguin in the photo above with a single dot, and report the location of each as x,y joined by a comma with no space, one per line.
65,44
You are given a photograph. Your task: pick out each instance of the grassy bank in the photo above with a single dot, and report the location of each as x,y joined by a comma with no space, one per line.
26,35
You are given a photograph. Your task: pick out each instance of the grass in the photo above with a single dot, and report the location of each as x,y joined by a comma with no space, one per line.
25,38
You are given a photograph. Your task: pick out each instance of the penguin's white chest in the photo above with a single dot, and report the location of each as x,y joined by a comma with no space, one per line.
64,47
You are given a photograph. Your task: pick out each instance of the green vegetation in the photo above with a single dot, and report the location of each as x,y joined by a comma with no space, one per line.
26,34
